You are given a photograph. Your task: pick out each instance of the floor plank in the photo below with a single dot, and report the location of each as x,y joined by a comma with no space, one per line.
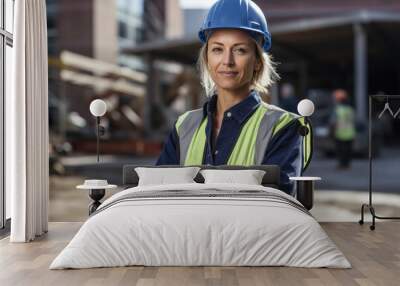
374,255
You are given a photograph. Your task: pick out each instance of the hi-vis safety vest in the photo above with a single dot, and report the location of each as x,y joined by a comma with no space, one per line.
252,142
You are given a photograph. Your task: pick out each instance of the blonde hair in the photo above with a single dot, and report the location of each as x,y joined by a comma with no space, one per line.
261,81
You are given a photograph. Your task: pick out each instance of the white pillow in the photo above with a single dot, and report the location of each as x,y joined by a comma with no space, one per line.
249,177
164,176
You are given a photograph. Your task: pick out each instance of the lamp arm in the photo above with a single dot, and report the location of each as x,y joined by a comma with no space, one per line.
98,137
304,130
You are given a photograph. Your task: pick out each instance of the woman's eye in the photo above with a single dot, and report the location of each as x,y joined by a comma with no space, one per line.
240,51
216,50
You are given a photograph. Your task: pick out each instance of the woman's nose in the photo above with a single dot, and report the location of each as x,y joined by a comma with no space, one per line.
228,58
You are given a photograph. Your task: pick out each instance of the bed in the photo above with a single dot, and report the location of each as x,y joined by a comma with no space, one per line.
201,224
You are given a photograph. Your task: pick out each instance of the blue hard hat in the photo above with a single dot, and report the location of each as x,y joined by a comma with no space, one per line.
237,14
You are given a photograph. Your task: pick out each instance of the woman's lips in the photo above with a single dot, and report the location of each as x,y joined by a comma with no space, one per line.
228,74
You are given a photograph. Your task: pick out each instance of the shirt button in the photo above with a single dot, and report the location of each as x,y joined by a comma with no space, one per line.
229,114
216,152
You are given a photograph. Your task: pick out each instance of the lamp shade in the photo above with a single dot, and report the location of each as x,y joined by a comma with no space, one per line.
98,107
305,107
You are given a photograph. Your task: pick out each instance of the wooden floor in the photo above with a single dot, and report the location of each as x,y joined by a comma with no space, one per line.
374,255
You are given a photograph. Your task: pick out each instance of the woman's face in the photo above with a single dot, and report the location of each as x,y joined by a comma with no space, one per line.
231,59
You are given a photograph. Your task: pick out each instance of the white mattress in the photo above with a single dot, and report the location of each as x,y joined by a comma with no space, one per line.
183,231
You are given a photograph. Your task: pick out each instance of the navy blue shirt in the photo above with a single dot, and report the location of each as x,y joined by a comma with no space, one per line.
284,149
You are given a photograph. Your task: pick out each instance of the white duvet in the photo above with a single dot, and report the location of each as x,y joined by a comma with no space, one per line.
183,231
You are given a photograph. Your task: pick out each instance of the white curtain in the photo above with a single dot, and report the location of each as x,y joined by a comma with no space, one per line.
27,137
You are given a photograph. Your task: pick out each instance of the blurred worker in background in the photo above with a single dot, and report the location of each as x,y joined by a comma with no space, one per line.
287,98
343,125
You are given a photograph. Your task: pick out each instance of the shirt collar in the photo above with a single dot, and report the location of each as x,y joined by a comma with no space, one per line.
239,111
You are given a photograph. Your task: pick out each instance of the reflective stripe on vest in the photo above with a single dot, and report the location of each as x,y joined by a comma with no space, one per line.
250,147
186,126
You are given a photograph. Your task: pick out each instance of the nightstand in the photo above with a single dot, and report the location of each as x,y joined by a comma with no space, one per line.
97,190
305,190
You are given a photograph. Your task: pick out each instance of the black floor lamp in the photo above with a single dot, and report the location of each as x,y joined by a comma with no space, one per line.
98,108
305,185
97,187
